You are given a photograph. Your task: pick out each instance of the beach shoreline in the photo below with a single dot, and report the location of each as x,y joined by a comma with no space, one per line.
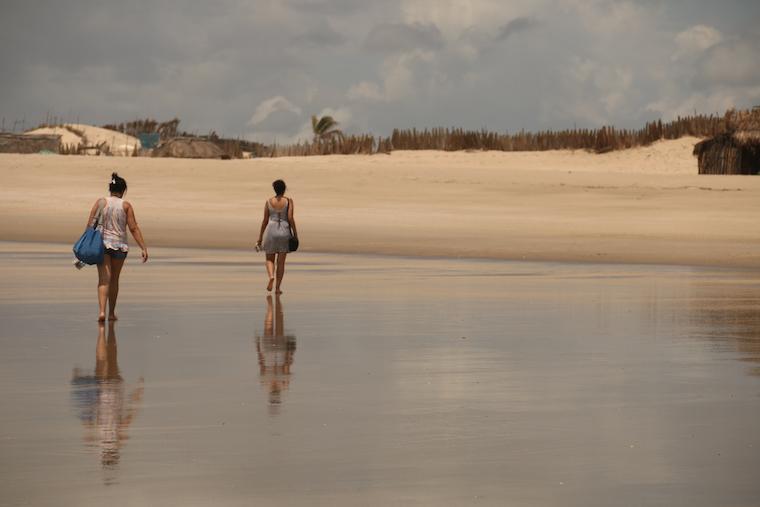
640,206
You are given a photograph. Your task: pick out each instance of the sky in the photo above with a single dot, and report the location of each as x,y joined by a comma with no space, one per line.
259,69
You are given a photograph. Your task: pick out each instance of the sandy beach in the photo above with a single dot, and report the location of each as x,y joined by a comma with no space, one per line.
644,205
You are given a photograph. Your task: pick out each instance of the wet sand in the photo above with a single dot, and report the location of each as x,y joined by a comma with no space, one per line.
378,381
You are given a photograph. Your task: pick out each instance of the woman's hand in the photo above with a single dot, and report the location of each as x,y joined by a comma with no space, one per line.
144,255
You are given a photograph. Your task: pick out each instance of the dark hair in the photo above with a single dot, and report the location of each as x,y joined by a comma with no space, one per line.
279,187
118,185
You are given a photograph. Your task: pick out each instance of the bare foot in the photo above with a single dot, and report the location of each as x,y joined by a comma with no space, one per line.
102,317
278,291
269,285
113,316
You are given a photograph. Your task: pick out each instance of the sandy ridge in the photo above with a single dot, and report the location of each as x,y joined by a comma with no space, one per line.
643,205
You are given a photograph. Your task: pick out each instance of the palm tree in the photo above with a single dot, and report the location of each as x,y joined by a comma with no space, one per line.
325,128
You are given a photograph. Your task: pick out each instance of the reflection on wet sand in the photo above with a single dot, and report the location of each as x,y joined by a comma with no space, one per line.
729,317
275,350
102,404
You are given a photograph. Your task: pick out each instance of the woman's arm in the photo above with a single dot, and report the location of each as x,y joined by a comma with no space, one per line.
135,230
93,212
291,219
263,224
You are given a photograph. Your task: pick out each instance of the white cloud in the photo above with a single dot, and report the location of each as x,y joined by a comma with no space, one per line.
365,91
402,76
272,105
454,17
603,88
715,102
736,63
695,40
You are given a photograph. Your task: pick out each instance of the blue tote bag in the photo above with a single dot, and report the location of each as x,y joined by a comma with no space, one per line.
89,249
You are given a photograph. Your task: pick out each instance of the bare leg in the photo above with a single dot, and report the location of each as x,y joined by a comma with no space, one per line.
280,270
270,271
113,292
104,280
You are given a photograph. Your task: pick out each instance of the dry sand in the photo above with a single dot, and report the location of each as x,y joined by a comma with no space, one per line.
643,205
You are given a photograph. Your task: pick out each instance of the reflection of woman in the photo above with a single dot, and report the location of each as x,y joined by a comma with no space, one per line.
275,351
101,400
116,216
275,232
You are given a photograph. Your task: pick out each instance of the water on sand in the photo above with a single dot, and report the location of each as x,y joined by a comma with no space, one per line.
376,381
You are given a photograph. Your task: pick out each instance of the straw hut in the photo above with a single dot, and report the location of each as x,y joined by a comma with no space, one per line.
736,151
24,143
188,147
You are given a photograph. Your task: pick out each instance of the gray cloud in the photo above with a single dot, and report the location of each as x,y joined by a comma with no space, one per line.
399,63
735,63
330,7
320,36
395,37
515,26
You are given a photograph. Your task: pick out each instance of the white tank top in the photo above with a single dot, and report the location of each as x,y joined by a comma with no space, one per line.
113,224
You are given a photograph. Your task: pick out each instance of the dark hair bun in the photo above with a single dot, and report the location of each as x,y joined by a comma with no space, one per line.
279,187
117,185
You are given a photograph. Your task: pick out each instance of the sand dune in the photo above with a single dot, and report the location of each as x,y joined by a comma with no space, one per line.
117,143
641,205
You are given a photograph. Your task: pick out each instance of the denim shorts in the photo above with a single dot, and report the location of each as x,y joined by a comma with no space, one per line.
116,254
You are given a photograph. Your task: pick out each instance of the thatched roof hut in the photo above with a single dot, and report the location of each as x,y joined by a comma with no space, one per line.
736,151
188,147
24,143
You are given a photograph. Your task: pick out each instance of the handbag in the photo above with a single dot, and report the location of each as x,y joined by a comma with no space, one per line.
89,248
292,241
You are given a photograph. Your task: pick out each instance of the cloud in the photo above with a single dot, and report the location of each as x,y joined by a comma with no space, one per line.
401,37
735,63
515,26
695,40
402,75
329,7
261,67
320,36
270,106
365,91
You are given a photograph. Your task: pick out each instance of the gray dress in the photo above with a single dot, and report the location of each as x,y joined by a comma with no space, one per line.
277,233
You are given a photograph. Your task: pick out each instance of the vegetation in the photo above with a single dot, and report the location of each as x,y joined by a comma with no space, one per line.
329,139
166,130
325,129
345,145
600,140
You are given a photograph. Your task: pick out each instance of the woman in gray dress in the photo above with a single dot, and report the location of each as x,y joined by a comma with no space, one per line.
275,233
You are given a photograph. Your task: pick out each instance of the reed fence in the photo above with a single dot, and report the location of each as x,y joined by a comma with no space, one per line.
601,140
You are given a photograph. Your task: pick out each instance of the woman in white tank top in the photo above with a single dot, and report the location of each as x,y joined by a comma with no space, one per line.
115,216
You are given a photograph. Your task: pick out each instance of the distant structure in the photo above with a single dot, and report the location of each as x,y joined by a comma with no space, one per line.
735,151
25,143
149,140
188,147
